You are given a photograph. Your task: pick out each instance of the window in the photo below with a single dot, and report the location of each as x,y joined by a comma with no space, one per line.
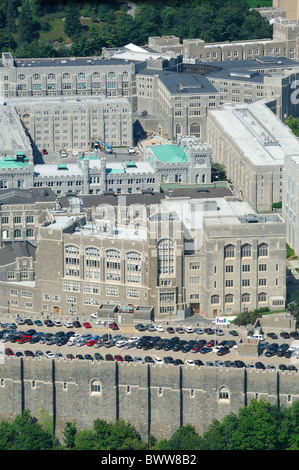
95,387
263,250
229,251
245,282
17,233
51,76
194,265
92,262
166,263
262,282
246,298
215,299
133,267
72,260
113,266
262,267
195,129
246,251
224,394
229,283
66,76
262,297
229,299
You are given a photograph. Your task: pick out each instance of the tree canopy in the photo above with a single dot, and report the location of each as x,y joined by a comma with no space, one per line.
88,26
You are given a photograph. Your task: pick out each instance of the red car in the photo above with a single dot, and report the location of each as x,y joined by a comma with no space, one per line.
119,358
45,152
87,325
91,342
9,352
113,326
211,343
24,339
70,356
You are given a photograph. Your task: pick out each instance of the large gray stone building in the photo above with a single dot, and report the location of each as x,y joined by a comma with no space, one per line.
166,254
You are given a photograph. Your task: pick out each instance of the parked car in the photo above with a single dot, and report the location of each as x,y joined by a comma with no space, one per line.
112,326
188,329
68,324
50,355
86,324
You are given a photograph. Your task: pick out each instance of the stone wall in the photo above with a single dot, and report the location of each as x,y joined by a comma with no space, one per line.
156,400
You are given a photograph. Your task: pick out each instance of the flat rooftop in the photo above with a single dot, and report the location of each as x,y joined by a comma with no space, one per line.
259,134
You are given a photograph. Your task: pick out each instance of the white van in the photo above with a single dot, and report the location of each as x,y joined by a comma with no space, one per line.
260,337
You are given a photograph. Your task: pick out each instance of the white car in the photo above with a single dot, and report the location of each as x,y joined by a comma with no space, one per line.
217,348
219,332
158,360
188,329
50,355
68,324
121,343
271,367
159,328
57,323
131,150
189,362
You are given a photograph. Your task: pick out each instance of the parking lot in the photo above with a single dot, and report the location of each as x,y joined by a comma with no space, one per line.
163,345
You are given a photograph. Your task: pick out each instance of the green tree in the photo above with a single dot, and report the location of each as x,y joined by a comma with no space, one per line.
69,434
258,428
218,172
24,433
293,124
86,440
26,24
185,438
11,15
72,25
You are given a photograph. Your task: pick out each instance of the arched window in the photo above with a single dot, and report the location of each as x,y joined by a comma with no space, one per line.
72,260
178,129
262,297
21,76
246,251
51,76
111,74
81,75
125,74
36,76
133,267
215,299
224,394
246,297
195,129
17,233
229,299
166,260
92,262
113,266
229,251
95,387
96,75
263,250
66,76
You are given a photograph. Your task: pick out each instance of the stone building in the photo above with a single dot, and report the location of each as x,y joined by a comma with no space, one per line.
252,143
171,254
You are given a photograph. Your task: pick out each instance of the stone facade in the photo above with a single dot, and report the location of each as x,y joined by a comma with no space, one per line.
156,400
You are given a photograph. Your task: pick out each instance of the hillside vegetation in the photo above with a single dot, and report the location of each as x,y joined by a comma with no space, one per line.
44,28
